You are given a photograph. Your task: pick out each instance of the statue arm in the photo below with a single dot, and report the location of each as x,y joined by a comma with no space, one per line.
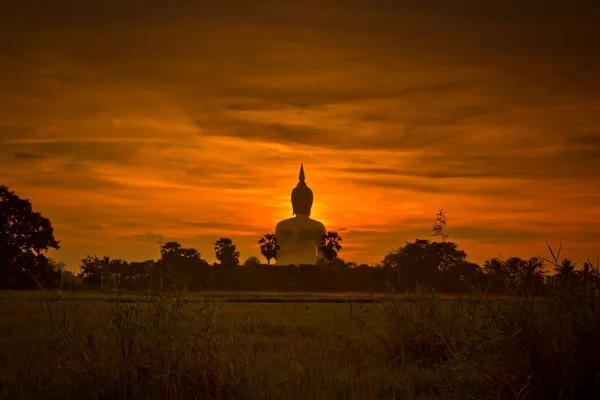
277,233
320,253
322,232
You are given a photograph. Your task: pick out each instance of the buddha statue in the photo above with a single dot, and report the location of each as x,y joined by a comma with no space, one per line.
299,238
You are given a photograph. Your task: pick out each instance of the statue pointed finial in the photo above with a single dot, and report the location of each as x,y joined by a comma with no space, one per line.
302,196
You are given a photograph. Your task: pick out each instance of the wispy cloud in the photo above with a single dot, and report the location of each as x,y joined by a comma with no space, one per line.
190,121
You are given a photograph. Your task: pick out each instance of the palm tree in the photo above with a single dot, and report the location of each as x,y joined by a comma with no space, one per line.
226,252
534,271
588,276
565,271
516,270
269,247
330,246
494,269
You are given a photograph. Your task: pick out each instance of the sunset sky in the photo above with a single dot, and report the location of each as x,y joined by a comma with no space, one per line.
125,120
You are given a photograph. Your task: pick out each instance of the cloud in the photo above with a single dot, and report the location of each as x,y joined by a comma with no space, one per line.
146,237
586,139
191,119
24,156
496,235
74,150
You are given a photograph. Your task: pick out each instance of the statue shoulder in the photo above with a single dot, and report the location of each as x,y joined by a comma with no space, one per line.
282,224
320,226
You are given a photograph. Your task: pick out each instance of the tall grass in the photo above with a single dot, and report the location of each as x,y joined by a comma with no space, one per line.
161,345
546,348
126,350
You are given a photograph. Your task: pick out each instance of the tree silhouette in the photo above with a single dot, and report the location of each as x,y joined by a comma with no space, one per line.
252,262
514,268
269,247
181,264
589,276
494,270
330,246
91,270
226,252
565,271
24,236
533,272
422,261
465,275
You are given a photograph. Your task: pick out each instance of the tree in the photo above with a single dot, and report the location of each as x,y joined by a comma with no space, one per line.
68,280
589,277
25,235
514,267
494,270
330,246
252,262
515,272
269,247
102,270
91,270
172,251
422,261
183,263
565,272
463,275
532,273
116,272
138,274
226,252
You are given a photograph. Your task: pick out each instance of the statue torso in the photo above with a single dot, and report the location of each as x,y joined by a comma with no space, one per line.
298,239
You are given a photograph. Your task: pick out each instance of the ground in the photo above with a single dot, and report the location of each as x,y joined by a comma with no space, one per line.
227,345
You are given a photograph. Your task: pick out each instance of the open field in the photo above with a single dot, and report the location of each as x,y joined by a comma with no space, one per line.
231,296
212,346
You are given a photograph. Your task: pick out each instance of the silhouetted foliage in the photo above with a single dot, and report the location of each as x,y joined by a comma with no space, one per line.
91,270
330,246
25,235
437,264
532,275
565,272
183,266
69,281
269,247
103,272
463,276
422,262
226,252
251,262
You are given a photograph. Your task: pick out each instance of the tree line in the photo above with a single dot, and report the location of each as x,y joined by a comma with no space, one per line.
26,235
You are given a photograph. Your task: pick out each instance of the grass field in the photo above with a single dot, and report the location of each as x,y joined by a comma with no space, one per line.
230,297
230,345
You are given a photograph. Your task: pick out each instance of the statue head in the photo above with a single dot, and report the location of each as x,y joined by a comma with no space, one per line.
302,196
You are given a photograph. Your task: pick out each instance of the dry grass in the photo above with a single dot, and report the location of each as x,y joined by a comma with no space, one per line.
415,346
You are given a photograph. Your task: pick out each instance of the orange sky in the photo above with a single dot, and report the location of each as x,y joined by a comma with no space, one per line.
191,120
